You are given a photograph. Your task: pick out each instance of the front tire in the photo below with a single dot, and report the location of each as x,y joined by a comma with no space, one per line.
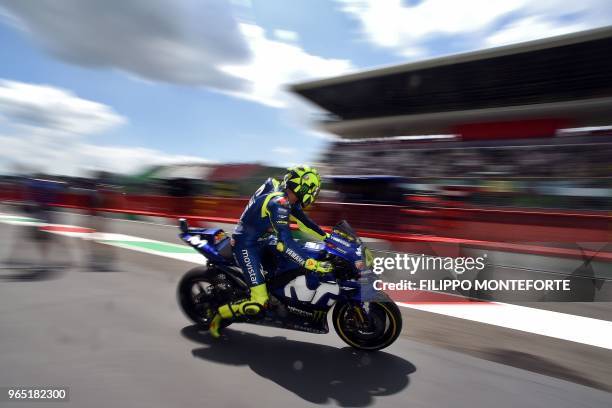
384,327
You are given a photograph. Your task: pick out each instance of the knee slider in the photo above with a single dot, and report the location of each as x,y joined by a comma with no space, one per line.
252,309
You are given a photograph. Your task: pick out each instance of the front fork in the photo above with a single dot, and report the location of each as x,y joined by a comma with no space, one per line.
361,316
361,313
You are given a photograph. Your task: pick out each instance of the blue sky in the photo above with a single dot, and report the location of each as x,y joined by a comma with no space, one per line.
119,85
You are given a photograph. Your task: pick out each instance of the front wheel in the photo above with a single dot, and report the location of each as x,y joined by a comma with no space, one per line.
372,327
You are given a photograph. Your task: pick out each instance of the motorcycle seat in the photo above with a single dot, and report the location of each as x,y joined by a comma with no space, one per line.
224,248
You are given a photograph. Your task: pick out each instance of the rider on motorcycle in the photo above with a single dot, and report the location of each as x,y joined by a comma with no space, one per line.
270,209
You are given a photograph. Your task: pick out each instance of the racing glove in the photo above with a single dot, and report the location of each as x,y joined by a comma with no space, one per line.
321,267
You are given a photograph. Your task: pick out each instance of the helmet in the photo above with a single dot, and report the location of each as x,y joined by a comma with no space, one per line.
305,182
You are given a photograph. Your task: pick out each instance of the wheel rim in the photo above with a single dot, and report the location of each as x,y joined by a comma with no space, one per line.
198,300
381,328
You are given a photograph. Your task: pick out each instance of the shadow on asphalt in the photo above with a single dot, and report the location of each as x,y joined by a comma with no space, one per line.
540,365
25,273
316,373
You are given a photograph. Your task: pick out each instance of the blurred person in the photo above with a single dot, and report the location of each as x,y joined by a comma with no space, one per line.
268,212
101,257
41,194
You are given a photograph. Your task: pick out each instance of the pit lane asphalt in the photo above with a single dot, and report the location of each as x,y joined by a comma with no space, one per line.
119,339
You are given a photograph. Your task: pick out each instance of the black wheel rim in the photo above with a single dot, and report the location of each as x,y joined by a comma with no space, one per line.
198,298
377,334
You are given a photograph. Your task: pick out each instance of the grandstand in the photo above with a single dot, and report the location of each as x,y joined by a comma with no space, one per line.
496,117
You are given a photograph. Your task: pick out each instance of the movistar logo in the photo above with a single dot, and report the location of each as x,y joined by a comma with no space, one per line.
249,265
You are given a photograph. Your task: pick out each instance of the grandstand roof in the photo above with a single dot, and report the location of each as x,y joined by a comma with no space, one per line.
565,77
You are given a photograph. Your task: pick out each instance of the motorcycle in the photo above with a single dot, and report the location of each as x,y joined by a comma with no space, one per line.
363,317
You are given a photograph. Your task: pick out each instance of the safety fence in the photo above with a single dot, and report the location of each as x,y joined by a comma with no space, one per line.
390,221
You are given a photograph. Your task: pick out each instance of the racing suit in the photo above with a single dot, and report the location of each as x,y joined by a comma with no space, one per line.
268,211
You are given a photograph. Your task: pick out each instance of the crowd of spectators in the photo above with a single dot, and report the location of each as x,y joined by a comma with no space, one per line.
576,167
542,161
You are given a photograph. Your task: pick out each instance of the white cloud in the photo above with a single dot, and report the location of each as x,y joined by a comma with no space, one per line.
406,29
530,28
323,135
276,64
179,42
53,155
127,159
392,24
54,109
45,131
286,35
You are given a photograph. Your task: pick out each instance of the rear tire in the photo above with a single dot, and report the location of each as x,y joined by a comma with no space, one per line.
387,326
192,298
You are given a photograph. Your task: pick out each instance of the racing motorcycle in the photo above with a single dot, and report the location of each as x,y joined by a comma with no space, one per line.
363,317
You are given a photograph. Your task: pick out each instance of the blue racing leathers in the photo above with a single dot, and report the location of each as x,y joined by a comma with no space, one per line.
269,211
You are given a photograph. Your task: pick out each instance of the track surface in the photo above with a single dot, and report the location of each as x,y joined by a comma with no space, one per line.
118,339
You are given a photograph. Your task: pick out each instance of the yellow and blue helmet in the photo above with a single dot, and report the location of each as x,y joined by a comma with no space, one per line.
305,182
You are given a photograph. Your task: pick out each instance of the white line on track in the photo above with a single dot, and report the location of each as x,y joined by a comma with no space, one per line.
579,329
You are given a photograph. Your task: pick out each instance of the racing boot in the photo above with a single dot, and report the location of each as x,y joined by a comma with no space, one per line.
215,326
249,307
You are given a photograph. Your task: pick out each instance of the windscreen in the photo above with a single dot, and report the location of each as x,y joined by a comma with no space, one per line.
344,229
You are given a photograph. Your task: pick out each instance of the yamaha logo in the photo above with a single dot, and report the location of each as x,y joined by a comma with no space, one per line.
297,258
340,241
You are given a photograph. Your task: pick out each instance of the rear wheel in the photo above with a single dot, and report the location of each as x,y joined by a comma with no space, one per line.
377,328
200,292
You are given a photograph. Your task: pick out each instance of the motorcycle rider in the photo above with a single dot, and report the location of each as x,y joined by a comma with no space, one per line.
270,210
